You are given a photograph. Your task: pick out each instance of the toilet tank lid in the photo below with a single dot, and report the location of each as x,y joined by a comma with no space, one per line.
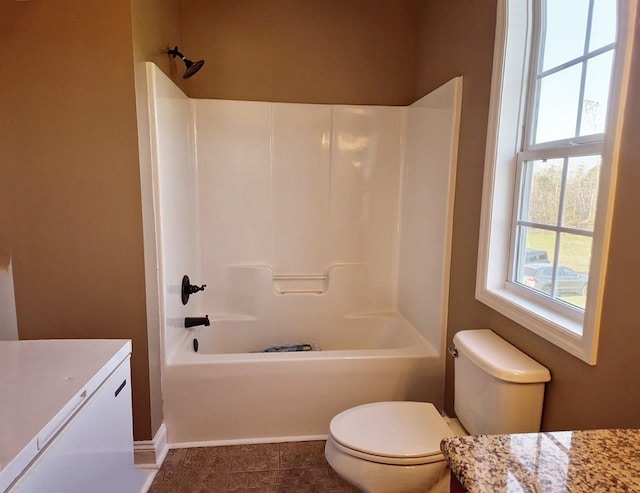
499,358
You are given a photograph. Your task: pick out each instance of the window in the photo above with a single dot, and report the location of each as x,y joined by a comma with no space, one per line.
560,69
573,44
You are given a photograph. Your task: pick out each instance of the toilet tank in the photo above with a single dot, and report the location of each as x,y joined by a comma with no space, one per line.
497,388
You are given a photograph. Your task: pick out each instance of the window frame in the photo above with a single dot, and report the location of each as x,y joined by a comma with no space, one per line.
570,329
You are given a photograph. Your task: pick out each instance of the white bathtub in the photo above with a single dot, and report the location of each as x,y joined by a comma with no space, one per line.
224,393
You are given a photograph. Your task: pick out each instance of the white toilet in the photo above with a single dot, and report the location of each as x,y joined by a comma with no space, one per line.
394,447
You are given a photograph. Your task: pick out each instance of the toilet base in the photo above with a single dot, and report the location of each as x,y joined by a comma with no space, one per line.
373,477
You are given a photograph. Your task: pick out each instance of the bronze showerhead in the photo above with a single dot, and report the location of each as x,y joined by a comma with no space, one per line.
192,67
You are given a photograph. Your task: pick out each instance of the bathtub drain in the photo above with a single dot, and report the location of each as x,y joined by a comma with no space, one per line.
195,344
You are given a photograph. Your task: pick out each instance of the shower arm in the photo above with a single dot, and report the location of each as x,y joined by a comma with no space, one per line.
175,53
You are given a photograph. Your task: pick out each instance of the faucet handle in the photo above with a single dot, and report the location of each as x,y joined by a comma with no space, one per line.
194,289
189,289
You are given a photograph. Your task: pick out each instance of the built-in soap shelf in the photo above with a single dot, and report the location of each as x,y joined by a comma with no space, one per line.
300,283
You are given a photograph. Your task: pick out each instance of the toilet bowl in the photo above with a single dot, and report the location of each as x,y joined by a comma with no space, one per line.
394,447
390,447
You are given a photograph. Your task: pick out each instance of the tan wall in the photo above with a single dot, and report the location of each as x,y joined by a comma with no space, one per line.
456,38
330,51
71,188
70,191
70,183
157,25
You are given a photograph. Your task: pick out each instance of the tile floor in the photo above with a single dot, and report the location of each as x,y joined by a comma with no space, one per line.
291,467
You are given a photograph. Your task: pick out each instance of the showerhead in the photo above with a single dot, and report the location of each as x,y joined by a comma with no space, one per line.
192,67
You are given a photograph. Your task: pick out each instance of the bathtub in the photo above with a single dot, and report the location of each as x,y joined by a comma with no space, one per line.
226,393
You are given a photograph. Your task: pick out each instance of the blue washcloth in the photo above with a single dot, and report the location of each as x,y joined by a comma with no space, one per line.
289,348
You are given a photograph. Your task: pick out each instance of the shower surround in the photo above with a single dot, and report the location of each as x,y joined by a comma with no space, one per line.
320,224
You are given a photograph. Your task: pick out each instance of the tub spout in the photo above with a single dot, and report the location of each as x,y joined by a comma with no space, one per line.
196,321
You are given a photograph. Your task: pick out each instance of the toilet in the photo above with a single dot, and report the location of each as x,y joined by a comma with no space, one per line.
394,447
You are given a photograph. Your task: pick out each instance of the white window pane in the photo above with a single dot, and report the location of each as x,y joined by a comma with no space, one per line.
603,25
573,269
581,192
540,195
558,105
596,94
565,31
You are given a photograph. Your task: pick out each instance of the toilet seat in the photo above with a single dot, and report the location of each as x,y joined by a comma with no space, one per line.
398,433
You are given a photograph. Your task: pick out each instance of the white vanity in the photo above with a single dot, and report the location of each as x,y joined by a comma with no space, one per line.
65,417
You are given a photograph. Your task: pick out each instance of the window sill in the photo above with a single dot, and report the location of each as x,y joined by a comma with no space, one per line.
559,329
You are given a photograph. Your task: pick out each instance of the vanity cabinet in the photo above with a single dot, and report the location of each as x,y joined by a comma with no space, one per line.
455,486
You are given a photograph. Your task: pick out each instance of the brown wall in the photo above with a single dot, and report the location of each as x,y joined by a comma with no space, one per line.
157,26
71,188
456,38
70,185
330,51
74,137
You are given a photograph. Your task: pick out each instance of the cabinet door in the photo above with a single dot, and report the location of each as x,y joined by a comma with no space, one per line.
94,451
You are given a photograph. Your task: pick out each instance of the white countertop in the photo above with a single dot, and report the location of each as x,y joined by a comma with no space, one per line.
42,384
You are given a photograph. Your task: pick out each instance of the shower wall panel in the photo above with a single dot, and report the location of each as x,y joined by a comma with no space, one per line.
175,202
431,142
366,161
298,188
350,205
234,188
301,184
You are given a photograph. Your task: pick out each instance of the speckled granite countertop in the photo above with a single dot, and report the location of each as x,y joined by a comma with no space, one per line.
571,461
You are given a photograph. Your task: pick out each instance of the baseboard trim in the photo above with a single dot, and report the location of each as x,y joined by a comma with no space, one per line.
149,454
150,475
247,441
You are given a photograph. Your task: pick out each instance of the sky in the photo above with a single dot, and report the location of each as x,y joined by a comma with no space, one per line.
564,40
